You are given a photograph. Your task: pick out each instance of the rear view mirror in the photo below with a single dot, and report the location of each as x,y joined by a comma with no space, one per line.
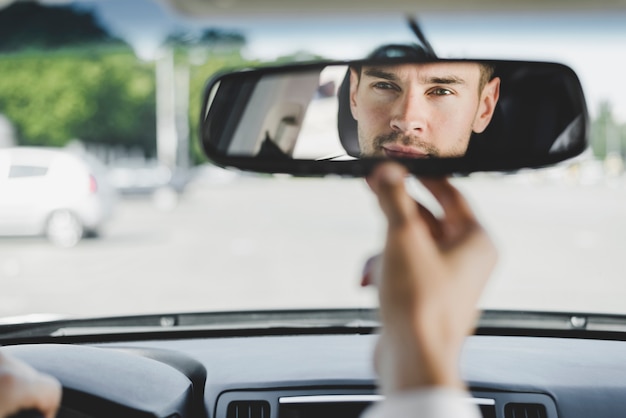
436,117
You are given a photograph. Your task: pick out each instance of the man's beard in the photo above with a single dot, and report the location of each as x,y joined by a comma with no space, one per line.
396,137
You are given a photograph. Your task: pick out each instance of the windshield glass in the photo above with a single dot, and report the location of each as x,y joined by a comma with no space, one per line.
108,207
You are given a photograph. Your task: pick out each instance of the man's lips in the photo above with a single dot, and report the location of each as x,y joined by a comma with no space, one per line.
402,151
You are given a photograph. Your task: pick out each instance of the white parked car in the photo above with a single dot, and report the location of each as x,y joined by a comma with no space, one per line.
52,192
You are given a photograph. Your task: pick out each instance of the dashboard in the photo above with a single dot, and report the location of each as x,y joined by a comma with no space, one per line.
321,375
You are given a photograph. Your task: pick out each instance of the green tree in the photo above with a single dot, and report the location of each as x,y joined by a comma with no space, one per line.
105,97
29,25
63,76
606,134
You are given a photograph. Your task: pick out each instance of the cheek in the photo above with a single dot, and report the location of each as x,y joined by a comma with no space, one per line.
373,115
454,116
451,127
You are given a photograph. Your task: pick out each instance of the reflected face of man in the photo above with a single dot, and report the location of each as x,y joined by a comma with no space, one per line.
421,110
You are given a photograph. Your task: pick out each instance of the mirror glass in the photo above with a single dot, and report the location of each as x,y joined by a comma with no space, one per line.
472,115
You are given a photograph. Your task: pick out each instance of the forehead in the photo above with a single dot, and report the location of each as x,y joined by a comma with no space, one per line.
462,72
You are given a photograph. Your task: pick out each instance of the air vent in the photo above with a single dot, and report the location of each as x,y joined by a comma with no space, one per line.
525,410
248,409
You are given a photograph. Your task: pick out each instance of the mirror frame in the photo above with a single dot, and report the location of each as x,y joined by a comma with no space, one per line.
362,167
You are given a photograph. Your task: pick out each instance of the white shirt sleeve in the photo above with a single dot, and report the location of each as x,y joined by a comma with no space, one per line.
425,403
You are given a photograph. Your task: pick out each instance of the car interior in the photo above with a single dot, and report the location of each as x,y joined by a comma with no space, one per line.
295,370
305,363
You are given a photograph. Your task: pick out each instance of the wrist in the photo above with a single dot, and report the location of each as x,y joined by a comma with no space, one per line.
403,365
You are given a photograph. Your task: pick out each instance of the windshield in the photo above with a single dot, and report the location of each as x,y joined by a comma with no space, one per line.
108,207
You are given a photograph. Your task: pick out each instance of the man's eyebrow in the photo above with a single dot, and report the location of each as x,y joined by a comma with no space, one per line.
448,79
378,73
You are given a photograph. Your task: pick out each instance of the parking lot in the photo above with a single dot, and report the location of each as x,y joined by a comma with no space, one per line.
257,242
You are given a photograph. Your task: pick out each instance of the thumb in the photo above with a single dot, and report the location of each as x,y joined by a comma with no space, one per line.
387,182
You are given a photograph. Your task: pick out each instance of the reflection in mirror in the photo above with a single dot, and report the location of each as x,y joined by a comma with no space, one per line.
442,109
292,114
421,111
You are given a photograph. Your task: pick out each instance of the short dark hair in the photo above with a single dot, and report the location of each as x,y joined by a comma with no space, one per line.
486,75
413,51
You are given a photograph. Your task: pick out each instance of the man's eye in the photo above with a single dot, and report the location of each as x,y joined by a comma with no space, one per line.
439,91
381,85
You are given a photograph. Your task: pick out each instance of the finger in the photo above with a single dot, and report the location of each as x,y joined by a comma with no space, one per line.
370,269
387,182
477,254
458,213
23,388
43,395
49,396
433,223
469,244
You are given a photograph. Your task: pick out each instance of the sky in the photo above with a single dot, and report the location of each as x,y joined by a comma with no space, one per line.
594,45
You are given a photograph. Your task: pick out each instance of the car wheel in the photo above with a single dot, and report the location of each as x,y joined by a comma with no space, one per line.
64,228
91,233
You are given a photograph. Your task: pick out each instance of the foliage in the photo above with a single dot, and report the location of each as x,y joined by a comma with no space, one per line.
105,97
99,95
607,136
29,25
208,38
64,77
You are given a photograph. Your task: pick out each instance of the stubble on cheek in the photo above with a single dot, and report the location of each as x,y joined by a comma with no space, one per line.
366,144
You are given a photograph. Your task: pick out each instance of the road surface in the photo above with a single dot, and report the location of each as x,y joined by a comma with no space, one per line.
268,243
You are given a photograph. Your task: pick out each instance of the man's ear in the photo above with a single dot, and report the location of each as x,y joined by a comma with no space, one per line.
354,85
487,105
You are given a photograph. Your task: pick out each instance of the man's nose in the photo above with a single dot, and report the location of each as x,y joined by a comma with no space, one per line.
409,114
